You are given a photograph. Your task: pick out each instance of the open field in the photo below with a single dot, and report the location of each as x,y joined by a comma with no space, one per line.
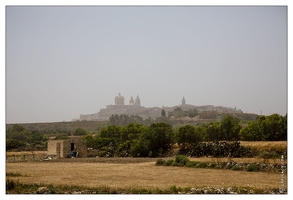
265,145
26,153
137,175
125,173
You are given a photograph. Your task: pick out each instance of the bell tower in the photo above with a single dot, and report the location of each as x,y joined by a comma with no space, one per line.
137,101
183,101
131,101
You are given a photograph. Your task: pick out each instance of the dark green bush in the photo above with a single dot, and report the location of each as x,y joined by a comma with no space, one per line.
191,164
202,165
79,131
14,144
253,167
212,165
160,162
102,153
217,149
175,190
236,168
61,137
181,160
10,184
169,162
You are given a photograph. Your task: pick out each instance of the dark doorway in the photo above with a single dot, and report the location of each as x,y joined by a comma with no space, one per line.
72,147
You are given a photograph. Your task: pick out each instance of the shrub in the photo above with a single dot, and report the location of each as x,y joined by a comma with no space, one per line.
160,162
202,165
79,131
212,165
181,160
14,144
191,164
102,153
10,184
175,190
253,167
236,168
169,162
61,137
140,191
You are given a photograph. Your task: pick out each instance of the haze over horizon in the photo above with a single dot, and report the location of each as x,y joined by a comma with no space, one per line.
63,61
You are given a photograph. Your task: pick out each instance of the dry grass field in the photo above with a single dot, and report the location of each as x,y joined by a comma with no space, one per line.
143,173
137,175
22,153
265,145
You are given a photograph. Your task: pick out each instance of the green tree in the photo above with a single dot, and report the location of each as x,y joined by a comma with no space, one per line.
213,131
36,136
186,136
80,131
230,128
163,120
161,138
155,140
252,132
274,127
17,128
18,132
266,128
111,132
89,140
192,113
131,131
14,144
163,113
179,113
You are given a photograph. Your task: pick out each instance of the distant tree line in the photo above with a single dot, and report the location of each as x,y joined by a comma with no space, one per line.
158,138
20,138
179,113
175,117
123,120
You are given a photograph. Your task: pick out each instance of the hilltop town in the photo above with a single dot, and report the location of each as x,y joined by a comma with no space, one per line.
134,107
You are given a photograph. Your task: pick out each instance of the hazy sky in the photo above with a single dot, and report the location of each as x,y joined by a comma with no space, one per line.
65,61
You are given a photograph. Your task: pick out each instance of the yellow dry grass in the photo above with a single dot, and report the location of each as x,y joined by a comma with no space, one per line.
137,175
21,153
240,160
265,145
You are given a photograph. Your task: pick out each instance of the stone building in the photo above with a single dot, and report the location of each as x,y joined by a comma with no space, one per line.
135,108
64,148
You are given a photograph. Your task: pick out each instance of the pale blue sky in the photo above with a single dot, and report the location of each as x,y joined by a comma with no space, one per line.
65,61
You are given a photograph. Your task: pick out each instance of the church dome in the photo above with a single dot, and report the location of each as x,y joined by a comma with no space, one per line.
119,100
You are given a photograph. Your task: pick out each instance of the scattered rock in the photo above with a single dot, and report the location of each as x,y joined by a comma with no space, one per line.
192,190
42,190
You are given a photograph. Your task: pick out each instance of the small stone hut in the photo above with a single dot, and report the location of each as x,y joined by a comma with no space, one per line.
64,148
